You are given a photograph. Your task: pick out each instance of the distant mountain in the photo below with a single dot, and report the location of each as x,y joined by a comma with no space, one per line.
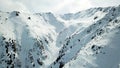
86,39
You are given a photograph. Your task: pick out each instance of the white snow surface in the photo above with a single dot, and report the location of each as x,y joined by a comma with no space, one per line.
86,39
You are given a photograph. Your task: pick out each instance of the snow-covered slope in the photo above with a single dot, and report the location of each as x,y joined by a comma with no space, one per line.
26,40
51,19
87,39
92,26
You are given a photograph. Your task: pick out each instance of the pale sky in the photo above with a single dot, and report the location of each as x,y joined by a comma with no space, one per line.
55,6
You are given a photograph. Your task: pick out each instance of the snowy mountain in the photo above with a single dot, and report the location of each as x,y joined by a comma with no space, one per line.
86,39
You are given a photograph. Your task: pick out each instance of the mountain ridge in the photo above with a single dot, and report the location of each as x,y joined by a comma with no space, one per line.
47,40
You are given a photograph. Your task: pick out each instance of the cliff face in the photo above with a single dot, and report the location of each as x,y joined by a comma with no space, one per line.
87,39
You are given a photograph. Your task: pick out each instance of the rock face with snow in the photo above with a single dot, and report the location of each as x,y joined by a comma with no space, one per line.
86,39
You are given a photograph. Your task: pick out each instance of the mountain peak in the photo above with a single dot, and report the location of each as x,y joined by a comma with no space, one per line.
72,40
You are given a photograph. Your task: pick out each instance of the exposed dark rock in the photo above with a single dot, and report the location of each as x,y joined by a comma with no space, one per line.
9,62
93,37
17,13
58,58
39,62
100,22
46,41
93,47
79,40
29,18
100,32
95,17
116,21
110,20
61,65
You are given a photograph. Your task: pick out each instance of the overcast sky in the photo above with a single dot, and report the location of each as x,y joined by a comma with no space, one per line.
55,6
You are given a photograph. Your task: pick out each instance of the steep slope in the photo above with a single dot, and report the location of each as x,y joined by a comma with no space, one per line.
27,41
73,44
87,39
102,51
79,21
52,20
